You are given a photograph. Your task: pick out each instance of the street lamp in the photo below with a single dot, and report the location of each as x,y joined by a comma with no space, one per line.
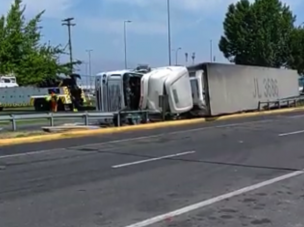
176,55
125,41
90,66
211,50
86,67
169,31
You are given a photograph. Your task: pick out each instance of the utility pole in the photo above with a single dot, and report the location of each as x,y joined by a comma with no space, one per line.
90,66
125,41
68,22
86,70
169,31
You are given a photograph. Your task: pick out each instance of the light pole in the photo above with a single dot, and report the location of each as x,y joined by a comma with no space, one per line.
211,50
169,31
90,66
86,68
125,41
193,58
176,55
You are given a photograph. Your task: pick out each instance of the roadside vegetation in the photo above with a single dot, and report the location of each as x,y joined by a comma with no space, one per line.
263,33
22,51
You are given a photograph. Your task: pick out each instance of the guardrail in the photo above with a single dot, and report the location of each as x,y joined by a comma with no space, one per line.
51,117
281,103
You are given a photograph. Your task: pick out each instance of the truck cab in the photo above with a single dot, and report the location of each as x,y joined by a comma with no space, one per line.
117,90
8,81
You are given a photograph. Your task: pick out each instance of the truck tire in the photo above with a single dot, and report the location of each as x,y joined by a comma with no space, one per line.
61,106
41,105
1,108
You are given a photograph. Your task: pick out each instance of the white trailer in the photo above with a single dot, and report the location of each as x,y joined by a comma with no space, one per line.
212,89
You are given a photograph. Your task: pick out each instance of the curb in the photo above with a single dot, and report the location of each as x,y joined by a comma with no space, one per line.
84,133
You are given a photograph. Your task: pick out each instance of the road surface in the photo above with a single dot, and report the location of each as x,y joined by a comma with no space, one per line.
233,173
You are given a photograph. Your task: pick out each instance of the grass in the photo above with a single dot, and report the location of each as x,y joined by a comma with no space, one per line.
25,122
27,110
19,109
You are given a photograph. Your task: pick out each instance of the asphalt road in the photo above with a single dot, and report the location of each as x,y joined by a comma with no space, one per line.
244,172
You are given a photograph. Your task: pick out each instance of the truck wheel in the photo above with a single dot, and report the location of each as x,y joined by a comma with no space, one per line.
41,105
61,106
1,108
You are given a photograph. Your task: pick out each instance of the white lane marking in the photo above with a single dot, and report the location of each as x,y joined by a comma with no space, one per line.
211,201
152,159
138,138
30,153
292,133
296,116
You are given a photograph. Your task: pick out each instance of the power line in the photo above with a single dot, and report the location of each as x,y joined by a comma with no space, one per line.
68,22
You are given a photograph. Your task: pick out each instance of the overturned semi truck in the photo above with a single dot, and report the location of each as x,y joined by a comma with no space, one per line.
206,89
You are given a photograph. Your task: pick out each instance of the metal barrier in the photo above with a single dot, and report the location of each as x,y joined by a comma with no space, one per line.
281,103
51,117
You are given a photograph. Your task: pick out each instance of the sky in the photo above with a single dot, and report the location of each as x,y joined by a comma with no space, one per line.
99,27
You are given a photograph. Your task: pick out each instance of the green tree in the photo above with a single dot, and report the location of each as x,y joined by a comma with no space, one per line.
257,33
296,46
11,40
22,52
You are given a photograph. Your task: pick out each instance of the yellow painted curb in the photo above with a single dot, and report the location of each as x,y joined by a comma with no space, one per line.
83,133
